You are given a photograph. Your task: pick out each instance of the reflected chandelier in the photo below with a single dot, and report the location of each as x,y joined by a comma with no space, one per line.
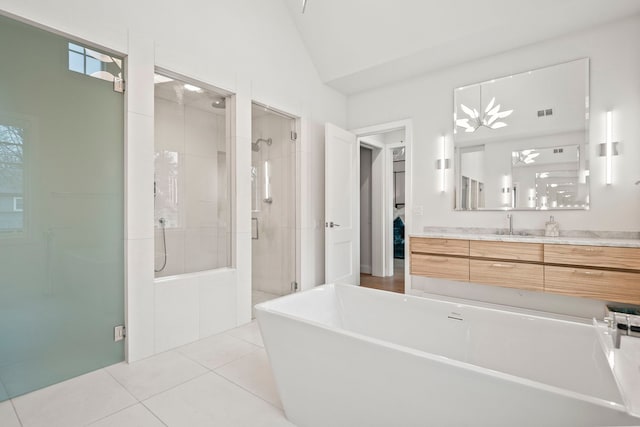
488,119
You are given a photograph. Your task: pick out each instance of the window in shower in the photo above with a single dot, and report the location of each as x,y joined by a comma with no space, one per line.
192,177
11,179
92,63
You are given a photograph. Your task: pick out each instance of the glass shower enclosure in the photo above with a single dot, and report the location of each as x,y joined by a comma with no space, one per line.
61,208
273,204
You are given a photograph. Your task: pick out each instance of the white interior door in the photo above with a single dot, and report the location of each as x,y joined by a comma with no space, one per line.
342,207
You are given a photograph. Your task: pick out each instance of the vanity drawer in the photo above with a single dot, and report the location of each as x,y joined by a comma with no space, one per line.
440,246
507,274
442,267
595,256
507,250
598,284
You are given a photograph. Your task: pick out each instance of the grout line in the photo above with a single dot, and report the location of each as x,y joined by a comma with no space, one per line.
240,338
241,357
113,413
154,414
15,411
170,388
121,385
251,392
194,360
177,385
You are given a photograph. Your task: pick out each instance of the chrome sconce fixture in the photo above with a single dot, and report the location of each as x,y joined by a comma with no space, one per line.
609,148
442,164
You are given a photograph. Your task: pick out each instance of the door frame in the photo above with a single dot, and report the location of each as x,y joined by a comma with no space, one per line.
385,222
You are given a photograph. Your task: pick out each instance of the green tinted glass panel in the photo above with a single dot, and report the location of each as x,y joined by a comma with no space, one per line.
61,213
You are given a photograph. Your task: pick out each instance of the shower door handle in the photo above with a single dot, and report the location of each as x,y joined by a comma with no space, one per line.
255,229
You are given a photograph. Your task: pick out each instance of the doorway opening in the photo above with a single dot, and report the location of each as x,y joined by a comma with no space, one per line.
273,204
382,210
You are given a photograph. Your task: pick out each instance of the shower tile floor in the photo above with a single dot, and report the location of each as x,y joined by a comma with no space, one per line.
259,296
222,380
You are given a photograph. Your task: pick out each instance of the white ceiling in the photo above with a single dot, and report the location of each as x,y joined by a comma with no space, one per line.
358,45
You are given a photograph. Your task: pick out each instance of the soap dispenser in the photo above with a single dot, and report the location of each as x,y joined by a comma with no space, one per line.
552,228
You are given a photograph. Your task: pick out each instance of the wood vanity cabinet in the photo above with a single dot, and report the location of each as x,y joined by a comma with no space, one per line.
599,272
507,274
440,258
488,264
595,256
607,285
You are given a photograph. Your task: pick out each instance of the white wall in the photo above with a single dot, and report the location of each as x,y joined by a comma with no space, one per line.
428,101
250,48
615,84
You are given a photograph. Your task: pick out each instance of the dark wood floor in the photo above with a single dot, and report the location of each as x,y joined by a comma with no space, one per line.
394,283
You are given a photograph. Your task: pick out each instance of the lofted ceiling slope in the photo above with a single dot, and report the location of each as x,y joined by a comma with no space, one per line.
358,45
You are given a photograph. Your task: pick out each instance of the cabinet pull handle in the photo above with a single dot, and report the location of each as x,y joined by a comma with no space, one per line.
503,265
589,273
439,259
588,250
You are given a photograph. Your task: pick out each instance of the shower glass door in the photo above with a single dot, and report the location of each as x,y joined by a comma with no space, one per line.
61,209
273,204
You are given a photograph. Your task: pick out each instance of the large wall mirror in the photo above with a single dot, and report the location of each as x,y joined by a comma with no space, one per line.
521,142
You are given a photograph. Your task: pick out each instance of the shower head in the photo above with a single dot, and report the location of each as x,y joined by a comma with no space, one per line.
255,146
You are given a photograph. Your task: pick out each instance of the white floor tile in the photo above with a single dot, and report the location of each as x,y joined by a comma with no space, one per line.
78,401
249,332
3,393
134,416
211,400
8,417
217,350
253,372
155,374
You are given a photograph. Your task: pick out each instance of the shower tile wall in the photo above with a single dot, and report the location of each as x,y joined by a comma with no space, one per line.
191,182
273,253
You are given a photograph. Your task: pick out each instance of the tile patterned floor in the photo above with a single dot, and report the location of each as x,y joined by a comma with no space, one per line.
224,380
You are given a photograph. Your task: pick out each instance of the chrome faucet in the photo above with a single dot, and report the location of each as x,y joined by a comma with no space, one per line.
510,218
622,324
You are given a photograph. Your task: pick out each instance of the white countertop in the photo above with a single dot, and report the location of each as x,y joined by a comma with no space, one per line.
562,240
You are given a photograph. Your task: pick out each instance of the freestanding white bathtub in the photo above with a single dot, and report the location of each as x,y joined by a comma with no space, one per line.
349,356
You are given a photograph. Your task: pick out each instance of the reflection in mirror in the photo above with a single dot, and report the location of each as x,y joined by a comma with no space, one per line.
548,178
537,157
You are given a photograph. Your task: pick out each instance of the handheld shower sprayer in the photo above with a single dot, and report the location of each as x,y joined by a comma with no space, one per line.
163,223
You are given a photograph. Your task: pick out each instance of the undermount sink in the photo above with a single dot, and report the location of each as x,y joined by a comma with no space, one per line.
514,234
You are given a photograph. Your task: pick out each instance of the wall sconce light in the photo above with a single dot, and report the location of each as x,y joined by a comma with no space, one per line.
267,182
506,190
443,164
608,149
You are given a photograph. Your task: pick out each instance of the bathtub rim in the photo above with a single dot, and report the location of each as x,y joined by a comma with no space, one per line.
264,307
193,274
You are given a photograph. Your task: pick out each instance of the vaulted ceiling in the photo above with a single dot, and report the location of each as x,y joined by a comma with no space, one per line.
357,45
